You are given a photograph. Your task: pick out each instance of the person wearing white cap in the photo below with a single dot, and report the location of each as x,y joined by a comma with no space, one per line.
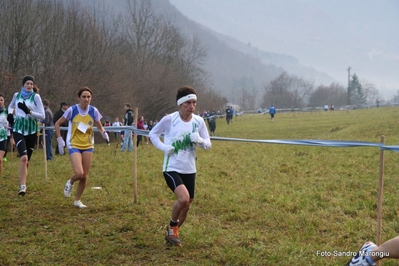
183,131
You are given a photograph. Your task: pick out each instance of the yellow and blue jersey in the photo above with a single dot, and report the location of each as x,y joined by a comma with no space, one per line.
80,128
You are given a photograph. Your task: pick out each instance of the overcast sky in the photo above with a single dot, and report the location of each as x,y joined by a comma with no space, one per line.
328,35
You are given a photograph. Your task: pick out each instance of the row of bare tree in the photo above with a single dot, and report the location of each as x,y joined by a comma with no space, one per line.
288,91
138,56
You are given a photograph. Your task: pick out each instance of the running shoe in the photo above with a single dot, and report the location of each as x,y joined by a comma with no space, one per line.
22,190
79,204
172,235
362,258
68,189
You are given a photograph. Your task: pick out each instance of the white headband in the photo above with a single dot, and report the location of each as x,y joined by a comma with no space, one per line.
186,98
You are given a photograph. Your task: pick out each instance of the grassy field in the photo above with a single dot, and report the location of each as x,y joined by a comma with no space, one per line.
256,204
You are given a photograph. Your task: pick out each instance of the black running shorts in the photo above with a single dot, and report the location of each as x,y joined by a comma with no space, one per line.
174,179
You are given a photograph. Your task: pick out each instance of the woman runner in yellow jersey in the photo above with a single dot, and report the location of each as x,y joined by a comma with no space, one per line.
82,118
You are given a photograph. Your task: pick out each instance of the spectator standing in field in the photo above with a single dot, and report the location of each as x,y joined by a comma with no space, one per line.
140,125
127,134
206,116
150,125
183,131
117,133
57,115
107,123
370,253
48,122
146,128
122,132
272,112
25,109
229,114
39,140
149,128
3,131
80,141
212,125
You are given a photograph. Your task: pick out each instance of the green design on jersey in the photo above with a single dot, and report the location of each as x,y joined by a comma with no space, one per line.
183,144
25,125
3,129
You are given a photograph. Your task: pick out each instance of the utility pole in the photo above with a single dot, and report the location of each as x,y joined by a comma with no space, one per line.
348,98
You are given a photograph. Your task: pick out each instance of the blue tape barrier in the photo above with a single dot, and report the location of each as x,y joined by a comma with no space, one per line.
316,142
326,143
390,148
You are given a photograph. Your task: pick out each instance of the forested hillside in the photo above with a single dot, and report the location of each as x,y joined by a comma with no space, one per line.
137,51
237,71
139,56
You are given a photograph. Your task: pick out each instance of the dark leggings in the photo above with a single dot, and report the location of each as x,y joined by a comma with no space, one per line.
8,143
25,144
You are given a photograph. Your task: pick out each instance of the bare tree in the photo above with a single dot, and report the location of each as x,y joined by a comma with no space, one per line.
248,100
287,91
334,94
395,98
17,36
161,58
301,90
370,92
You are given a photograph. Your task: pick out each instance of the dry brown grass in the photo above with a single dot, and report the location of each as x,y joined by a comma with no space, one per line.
256,204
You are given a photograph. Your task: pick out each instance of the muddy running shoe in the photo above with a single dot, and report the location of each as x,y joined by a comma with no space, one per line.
79,204
22,190
68,189
172,235
362,258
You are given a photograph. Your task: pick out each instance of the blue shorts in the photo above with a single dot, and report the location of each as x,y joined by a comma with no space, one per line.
73,150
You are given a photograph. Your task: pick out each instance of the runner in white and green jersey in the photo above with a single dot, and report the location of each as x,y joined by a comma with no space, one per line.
183,132
3,131
25,109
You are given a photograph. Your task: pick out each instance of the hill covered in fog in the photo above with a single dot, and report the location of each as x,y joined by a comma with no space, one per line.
232,66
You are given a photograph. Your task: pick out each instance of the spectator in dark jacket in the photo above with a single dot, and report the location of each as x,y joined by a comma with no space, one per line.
127,137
